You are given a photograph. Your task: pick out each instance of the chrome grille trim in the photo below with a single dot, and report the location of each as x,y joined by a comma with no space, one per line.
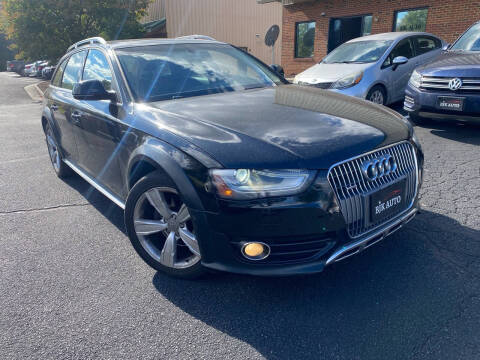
433,82
352,190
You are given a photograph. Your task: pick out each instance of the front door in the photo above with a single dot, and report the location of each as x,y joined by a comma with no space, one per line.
400,76
99,131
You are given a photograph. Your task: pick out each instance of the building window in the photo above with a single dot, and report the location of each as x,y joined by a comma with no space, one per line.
366,25
304,39
411,20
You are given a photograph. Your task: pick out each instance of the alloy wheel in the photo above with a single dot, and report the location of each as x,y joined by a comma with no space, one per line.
164,228
53,150
377,97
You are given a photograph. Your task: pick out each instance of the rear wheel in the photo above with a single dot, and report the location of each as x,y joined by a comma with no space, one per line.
161,229
61,169
377,95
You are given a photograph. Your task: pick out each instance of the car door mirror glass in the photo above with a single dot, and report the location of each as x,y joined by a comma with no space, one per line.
92,90
446,47
399,60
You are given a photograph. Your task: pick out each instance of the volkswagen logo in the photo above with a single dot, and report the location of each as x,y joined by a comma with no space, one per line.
374,169
455,84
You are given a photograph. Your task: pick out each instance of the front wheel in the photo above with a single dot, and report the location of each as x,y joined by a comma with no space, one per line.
377,95
160,227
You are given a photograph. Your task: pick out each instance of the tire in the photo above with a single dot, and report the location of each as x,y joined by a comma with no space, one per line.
160,227
417,120
377,95
61,169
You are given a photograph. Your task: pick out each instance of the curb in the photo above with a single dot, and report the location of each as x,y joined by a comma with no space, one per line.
34,92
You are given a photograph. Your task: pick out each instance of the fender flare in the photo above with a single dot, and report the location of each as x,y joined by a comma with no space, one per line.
169,159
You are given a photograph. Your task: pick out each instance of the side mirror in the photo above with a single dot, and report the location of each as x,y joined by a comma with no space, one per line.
446,47
278,69
92,90
399,60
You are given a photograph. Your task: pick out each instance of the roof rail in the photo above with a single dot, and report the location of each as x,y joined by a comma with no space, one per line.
93,40
195,37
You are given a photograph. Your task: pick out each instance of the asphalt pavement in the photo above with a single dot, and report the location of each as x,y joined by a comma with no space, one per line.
72,287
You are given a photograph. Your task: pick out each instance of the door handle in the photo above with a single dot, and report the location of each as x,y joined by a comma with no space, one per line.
54,107
76,117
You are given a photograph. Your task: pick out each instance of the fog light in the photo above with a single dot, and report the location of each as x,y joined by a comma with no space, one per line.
255,250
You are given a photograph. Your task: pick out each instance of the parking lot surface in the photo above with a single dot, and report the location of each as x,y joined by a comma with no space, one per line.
72,287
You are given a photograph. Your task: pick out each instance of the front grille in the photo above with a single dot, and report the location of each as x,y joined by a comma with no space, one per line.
323,85
441,83
353,190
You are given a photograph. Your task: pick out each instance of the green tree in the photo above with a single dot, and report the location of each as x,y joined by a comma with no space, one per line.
45,28
5,52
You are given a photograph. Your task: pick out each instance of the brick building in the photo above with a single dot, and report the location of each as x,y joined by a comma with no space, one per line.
312,28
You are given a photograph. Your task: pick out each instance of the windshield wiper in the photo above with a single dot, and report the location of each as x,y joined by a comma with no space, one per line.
347,62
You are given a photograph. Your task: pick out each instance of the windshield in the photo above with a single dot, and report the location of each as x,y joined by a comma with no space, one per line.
470,41
173,71
358,52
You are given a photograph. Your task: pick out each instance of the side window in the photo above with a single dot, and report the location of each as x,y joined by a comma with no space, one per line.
97,68
403,48
72,72
58,75
426,44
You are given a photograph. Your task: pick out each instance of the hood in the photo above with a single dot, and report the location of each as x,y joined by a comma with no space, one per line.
285,126
453,64
320,73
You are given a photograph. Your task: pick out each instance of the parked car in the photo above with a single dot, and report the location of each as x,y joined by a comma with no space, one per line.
36,68
374,67
448,88
39,68
220,163
47,72
28,70
15,65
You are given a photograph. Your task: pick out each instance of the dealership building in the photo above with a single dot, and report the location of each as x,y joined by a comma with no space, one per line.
312,28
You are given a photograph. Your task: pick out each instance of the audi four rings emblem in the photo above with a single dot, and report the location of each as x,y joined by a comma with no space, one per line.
455,84
381,166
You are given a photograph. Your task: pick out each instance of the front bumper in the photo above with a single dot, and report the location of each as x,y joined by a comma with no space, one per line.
358,91
305,232
423,103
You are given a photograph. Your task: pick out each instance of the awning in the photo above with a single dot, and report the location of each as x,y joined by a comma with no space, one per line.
155,25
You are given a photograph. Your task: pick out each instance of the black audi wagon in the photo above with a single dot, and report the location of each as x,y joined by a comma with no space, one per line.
220,163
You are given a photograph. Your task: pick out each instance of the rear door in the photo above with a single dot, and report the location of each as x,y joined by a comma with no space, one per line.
61,103
426,48
99,130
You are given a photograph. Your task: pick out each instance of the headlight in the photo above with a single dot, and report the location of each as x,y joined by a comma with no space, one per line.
244,184
415,79
416,141
347,81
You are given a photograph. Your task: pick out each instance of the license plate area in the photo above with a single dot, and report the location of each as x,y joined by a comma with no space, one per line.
387,202
450,103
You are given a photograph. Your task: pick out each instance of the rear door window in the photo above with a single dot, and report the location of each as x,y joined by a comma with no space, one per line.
425,44
57,80
73,71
